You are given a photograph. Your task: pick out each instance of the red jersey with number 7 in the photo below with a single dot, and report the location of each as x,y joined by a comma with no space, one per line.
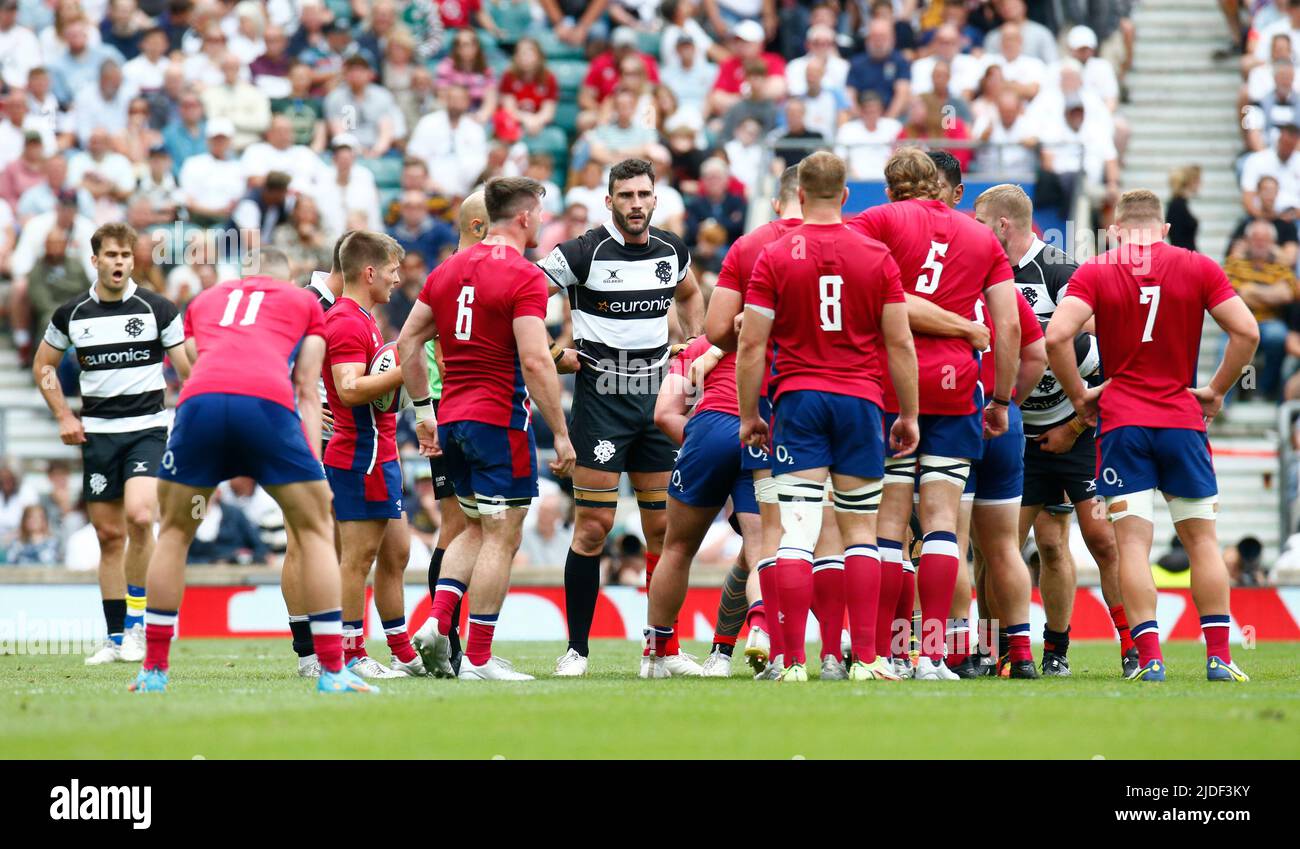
947,258
1150,303
475,296
258,314
825,288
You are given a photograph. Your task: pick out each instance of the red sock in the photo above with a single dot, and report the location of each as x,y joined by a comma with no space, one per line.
936,579
796,582
354,641
1019,642
828,603
770,587
891,584
957,636
399,642
904,606
478,646
159,626
1146,636
723,640
862,596
445,598
1215,629
1121,625
757,615
673,646
327,639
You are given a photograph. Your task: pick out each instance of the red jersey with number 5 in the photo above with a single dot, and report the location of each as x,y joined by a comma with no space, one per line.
475,296
947,258
260,315
1149,303
825,288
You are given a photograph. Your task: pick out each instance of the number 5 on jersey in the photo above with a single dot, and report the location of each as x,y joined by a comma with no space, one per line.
927,285
464,315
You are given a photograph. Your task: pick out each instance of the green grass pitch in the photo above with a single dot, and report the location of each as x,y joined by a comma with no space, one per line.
241,699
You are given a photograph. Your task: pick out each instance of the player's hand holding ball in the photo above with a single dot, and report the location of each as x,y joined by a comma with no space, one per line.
1211,402
904,436
565,457
754,432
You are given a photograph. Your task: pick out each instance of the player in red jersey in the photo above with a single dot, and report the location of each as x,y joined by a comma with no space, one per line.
487,306
949,259
259,417
361,459
1149,300
832,305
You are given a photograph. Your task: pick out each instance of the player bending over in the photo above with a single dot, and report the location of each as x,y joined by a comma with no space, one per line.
256,416
1149,300
487,306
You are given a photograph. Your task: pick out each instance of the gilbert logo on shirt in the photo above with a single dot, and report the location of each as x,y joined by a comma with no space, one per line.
91,802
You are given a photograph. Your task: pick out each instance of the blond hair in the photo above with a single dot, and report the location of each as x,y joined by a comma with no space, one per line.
1008,201
910,173
822,176
1139,206
1181,179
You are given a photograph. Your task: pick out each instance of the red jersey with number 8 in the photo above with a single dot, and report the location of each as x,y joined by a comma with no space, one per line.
475,296
825,288
947,258
1149,303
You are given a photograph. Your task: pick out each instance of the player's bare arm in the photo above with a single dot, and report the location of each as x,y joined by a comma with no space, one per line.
306,373
671,407
751,356
905,435
703,364
45,368
544,387
1235,318
419,329
1066,323
720,320
930,319
356,388
1001,300
690,306
1033,362
181,361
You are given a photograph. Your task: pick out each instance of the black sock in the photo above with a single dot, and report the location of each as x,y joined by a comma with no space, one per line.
435,569
302,642
581,588
115,617
1057,642
1004,643
725,648
454,634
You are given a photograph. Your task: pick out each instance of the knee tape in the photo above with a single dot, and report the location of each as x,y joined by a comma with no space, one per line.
801,515
765,490
652,499
953,470
1193,508
468,506
493,505
596,498
900,470
862,499
1140,504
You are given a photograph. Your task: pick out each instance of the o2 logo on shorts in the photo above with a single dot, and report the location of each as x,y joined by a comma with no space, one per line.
169,461
1111,477
677,479
604,451
783,456
757,453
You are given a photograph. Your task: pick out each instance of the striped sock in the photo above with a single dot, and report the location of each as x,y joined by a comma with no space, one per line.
862,598
448,595
891,584
159,626
658,640
957,637
936,578
135,605
828,602
1146,636
478,647
399,642
354,640
1215,629
757,615
300,627
327,638
1018,642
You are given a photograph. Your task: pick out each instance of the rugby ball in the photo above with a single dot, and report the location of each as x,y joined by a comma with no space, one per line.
386,359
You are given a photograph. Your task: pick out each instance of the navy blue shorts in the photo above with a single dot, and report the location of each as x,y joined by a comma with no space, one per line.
710,466
999,476
813,429
948,436
756,459
354,502
490,464
1175,461
217,437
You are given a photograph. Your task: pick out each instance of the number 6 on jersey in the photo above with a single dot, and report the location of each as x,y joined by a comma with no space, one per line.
464,315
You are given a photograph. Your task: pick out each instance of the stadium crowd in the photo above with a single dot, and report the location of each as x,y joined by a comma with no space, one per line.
209,125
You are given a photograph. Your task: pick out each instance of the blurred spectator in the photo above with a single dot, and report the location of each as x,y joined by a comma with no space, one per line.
546,533
262,209
78,68
225,535
1098,73
866,142
1245,563
575,21
415,176
1174,568
280,153
347,188
17,123
401,71
1184,184
1288,24
1279,162
1012,137
452,144
624,560
24,172
305,112
327,60
605,74
18,46
212,183
964,69
16,495
203,67
1267,287
466,66
165,102
691,76
365,110
259,508
54,279
419,231
1288,240
1111,21
107,175
715,203
1260,80
1022,71
984,108
247,41
139,138
670,207
270,70
123,27
708,251
145,272
31,243
60,502
949,101
44,196
186,136
756,104
796,141
303,238
572,224
745,154
43,106
725,15
747,40
529,92
103,106
1074,146
541,167
824,109
926,120
1037,40
882,69
240,102
821,47
624,137
1275,108
34,545
681,25
414,268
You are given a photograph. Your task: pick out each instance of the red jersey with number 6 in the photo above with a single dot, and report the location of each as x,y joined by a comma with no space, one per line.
825,287
258,314
475,296
1149,303
947,258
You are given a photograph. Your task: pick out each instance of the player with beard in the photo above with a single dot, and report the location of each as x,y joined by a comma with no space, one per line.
620,279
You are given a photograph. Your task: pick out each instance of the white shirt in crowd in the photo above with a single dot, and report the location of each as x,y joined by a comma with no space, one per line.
673,33
1023,69
1266,163
31,244
836,77
144,74
1090,148
211,183
456,157
1006,152
867,151
593,200
337,202
966,72
304,167
114,167
20,51
746,162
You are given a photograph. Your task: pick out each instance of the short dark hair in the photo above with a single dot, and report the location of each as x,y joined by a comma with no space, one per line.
277,181
337,260
504,196
123,234
367,249
948,166
629,169
788,187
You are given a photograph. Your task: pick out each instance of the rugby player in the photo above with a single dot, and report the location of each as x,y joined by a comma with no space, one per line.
257,416
1149,300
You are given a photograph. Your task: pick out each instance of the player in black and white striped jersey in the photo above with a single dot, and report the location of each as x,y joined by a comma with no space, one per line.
120,333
